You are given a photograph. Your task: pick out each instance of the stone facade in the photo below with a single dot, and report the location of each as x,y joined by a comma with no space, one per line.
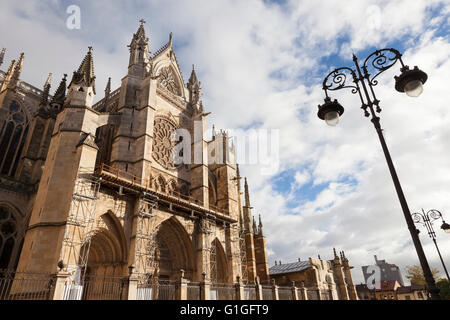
332,278
93,189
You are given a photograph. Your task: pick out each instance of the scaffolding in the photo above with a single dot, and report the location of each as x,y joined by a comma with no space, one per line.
243,255
146,244
80,226
210,246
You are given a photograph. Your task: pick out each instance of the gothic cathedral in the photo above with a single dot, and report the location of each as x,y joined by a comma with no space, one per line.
93,189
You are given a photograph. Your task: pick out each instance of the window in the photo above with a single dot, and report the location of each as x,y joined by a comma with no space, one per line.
8,233
13,132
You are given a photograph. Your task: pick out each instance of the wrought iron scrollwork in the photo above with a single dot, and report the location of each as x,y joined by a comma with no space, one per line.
338,79
434,215
418,218
379,61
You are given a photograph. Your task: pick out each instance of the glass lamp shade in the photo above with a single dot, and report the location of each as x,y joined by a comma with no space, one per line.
446,227
414,88
411,81
332,118
330,111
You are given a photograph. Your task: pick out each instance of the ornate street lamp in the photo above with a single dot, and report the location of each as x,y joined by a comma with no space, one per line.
427,218
363,83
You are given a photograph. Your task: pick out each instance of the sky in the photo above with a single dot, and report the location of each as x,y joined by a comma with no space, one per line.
261,64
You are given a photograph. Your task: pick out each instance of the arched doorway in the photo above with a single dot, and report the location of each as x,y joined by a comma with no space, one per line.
218,262
174,251
106,268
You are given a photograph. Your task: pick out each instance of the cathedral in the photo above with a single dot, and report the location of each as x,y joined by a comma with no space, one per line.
95,189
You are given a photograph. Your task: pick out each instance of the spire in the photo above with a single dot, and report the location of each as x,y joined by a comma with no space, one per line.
2,55
246,194
260,227
194,87
17,70
60,94
141,31
344,258
139,52
193,79
8,76
254,225
47,85
335,255
84,76
108,88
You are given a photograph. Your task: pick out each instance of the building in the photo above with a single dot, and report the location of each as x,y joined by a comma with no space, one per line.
332,278
93,190
388,290
412,292
387,271
391,290
364,293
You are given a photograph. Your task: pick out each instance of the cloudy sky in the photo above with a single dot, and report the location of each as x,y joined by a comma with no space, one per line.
262,64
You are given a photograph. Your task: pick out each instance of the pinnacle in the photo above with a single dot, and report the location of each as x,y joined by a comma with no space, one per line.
85,73
60,94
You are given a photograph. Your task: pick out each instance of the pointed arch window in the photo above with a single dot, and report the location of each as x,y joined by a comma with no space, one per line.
13,132
8,235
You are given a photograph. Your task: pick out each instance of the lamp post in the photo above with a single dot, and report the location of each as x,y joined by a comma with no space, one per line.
427,218
362,83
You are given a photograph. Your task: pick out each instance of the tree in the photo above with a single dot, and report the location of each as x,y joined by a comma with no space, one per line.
444,287
415,275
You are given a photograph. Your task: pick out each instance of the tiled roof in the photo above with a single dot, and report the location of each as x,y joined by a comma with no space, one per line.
388,285
411,288
289,267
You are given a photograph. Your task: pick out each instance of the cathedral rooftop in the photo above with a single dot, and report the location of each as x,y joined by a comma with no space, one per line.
289,267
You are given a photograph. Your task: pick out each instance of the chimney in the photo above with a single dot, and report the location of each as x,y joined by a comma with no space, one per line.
299,260
280,262
275,262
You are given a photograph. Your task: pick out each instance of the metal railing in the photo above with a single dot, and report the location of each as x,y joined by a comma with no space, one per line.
26,286
193,291
285,293
312,294
35,286
267,292
103,288
249,292
222,291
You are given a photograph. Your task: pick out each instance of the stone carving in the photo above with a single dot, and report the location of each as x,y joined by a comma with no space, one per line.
167,80
163,144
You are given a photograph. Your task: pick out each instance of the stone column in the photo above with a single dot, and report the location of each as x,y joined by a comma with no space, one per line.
205,286
181,290
133,280
303,291
275,295
61,280
294,291
258,287
240,293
